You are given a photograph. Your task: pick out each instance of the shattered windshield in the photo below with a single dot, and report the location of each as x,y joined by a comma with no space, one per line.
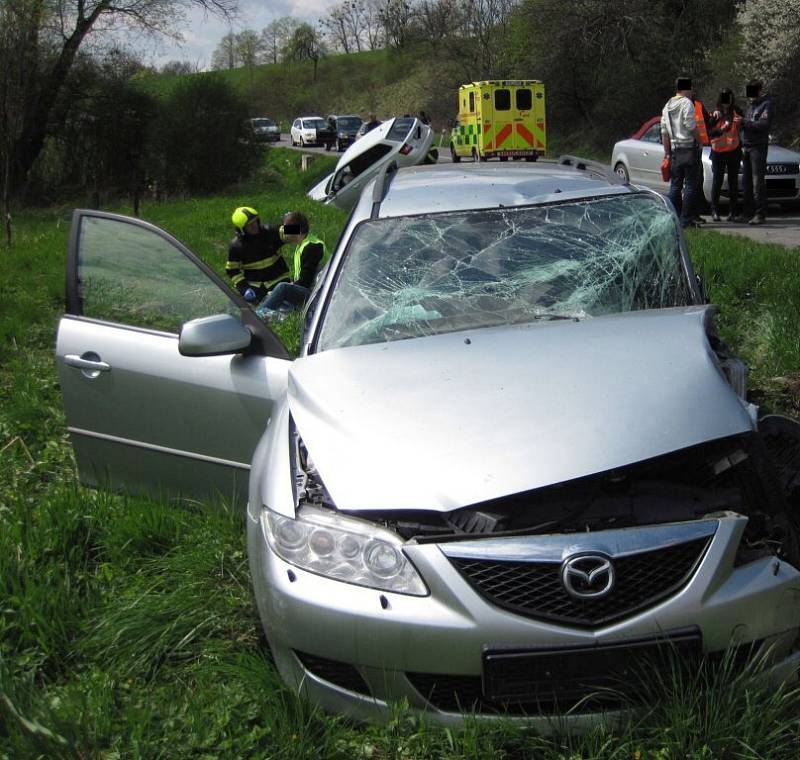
414,276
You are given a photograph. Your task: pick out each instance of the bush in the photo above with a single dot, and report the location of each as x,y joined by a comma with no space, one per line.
201,136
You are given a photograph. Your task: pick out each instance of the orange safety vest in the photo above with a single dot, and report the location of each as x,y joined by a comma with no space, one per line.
701,122
729,139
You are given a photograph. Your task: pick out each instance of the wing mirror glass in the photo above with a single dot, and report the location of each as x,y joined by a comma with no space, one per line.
213,336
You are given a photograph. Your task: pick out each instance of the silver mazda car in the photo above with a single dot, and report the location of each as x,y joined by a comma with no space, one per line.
512,471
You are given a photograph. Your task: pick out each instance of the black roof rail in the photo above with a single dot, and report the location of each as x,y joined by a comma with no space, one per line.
382,186
595,167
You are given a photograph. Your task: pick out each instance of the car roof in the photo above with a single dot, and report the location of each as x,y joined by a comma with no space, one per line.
442,188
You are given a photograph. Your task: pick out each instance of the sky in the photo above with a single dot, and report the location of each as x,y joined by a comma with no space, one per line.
202,34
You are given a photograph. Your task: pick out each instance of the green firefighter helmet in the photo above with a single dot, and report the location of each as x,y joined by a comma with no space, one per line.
242,216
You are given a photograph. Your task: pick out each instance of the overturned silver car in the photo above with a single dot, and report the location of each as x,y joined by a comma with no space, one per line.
512,467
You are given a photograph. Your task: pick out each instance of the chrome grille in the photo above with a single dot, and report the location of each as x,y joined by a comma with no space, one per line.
534,589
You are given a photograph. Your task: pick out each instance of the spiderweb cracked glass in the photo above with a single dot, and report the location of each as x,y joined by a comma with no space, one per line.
415,276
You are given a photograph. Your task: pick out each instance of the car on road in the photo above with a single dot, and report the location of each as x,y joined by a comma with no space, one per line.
312,130
404,140
513,470
263,129
638,160
346,129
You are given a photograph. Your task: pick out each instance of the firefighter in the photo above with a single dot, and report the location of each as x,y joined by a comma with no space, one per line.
254,264
310,255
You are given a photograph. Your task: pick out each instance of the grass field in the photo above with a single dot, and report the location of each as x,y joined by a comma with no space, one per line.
127,628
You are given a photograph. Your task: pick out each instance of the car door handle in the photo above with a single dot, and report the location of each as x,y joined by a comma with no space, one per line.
80,362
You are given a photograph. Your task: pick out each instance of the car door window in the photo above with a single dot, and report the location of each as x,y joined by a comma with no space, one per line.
136,275
653,134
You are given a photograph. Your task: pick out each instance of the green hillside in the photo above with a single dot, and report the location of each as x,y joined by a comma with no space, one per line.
388,82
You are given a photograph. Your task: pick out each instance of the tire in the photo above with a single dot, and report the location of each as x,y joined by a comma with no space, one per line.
454,157
622,171
327,146
504,158
302,142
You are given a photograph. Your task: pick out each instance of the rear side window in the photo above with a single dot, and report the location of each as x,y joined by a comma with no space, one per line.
472,101
400,129
524,100
502,100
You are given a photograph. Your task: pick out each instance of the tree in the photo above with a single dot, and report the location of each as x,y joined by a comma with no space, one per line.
179,68
224,55
771,53
276,36
305,45
54,32
250,48
397,18
345,25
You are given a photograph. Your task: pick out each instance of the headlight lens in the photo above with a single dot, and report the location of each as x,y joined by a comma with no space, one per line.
343,549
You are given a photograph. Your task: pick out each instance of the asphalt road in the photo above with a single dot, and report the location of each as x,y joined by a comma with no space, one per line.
782,227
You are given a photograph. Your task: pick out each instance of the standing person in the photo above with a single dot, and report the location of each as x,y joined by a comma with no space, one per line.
423,117
756,126
681,140
726,153
254,264
372,122
310,254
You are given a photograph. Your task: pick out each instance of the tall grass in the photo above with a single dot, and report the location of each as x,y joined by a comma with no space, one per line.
127,628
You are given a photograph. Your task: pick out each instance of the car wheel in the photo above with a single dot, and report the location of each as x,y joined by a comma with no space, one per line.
454,157
504,158
302,142
622,172
327,146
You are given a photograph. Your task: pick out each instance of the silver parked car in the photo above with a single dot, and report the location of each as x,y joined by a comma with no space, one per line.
638,160
512,467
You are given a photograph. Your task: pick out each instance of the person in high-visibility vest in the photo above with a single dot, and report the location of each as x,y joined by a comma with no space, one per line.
254,263
310,255
726,153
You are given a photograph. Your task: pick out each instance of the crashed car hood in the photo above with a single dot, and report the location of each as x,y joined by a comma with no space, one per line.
448,421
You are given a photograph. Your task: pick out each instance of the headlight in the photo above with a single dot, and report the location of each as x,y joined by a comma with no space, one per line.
343,549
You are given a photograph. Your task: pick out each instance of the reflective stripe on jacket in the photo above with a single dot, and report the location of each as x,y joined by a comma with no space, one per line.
729,139
701,122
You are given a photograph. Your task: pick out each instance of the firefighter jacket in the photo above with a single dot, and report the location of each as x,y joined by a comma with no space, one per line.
254,261
308,257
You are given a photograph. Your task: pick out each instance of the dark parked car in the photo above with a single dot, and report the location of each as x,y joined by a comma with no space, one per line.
346,129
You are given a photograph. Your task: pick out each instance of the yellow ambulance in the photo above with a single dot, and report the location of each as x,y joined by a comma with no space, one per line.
501,118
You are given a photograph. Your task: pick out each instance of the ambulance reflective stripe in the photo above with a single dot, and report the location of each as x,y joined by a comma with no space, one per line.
487,135
538,131
503,135
525,134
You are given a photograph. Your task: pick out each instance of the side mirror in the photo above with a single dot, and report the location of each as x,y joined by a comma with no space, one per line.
213,336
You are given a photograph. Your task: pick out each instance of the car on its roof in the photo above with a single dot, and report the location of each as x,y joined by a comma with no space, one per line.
513,470
404,140
638,159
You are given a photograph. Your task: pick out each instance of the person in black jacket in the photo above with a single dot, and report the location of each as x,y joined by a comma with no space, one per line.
254,264
756,126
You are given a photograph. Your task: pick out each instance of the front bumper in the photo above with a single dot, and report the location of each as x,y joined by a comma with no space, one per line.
355,650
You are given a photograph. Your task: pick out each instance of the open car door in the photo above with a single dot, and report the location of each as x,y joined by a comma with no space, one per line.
142,414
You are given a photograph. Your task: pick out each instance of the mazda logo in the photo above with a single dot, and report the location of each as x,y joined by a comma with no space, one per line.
588,576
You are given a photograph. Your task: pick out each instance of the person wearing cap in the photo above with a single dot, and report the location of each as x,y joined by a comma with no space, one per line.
310,254
681,139
254,263
756,126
